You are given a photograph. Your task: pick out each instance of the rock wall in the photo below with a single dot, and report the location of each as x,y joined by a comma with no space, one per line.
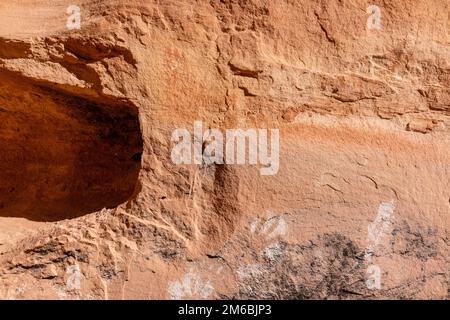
92,205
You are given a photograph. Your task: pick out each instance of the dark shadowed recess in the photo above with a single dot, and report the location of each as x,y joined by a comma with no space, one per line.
64,155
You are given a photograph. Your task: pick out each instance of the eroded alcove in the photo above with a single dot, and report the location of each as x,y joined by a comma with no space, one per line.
63,155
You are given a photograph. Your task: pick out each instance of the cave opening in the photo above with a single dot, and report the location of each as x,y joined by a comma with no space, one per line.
64,155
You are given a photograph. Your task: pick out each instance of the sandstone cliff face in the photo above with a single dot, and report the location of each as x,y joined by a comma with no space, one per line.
93,207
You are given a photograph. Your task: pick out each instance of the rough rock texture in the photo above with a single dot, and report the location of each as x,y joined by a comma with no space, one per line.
92,207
